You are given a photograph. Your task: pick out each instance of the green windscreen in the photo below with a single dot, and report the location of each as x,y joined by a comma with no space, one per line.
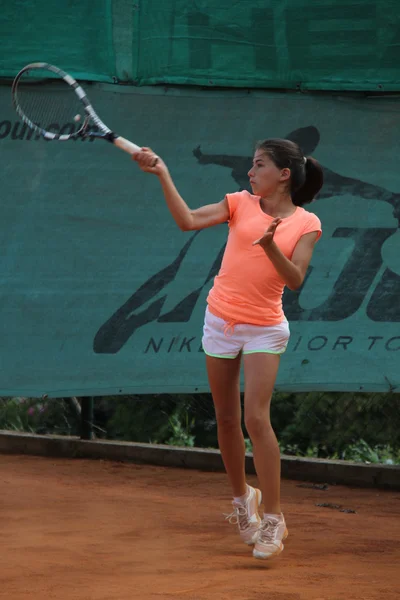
307,44
75,35
290,44
101,293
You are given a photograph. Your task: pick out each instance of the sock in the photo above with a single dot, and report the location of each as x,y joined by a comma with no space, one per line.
242,499
267,515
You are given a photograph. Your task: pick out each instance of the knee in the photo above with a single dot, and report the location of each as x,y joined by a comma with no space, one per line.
257,424
228,421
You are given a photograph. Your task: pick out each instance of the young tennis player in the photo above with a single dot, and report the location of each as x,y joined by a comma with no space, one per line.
270,243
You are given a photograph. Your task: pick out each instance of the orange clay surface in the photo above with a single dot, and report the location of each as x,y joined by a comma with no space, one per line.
95,530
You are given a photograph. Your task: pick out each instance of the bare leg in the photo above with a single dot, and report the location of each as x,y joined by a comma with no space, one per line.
224,380
260,374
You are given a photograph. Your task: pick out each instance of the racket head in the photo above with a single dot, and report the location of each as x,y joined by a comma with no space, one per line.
51,102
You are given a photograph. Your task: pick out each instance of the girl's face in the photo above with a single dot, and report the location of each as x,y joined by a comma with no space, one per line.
265,177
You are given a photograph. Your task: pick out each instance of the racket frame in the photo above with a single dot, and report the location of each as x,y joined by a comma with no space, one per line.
91,116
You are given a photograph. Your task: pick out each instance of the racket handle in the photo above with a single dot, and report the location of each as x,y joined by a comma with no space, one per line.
126,145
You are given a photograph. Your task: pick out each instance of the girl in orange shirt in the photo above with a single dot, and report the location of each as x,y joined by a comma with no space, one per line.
270,244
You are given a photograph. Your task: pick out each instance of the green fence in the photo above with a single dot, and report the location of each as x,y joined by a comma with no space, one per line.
102,294
76,35
293,44
350,426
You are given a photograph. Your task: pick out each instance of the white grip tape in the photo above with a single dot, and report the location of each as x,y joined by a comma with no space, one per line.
126,145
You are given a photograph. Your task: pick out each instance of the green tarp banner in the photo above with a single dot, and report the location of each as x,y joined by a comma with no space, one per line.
101,293
76,35
293,44
298,44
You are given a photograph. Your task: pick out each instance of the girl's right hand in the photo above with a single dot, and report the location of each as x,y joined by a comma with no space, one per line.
149,162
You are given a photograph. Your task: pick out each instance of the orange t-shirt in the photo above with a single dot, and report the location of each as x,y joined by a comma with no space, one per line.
248,288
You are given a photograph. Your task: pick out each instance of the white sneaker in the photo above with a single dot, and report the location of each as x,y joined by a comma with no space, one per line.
271,534
246,516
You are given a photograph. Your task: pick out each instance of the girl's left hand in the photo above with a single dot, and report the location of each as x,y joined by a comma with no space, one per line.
266,240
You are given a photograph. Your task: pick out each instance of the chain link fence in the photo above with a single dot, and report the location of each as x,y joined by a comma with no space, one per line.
349,426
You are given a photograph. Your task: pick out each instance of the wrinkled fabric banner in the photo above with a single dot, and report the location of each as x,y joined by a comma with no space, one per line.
101,293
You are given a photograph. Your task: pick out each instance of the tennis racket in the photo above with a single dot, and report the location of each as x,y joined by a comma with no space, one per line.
59,110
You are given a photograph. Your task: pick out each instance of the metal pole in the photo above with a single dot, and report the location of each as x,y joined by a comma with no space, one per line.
87,419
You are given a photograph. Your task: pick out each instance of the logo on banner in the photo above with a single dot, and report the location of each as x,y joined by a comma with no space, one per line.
357,279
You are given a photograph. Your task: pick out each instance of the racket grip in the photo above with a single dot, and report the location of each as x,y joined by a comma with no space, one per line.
126,145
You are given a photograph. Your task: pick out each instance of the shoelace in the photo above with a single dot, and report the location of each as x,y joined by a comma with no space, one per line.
267,532
239,517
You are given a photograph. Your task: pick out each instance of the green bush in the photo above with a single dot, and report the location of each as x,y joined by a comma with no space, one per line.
38,416
334,422
358,427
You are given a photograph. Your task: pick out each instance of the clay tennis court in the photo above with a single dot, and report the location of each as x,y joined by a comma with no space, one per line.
94,530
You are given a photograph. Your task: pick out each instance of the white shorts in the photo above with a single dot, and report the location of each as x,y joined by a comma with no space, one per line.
222,339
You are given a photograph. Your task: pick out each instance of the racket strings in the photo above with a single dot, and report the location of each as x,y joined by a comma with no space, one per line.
49,108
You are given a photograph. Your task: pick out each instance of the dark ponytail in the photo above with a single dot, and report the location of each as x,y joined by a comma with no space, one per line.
312,184
306,174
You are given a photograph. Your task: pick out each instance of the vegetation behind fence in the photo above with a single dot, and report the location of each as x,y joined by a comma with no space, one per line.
356,426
